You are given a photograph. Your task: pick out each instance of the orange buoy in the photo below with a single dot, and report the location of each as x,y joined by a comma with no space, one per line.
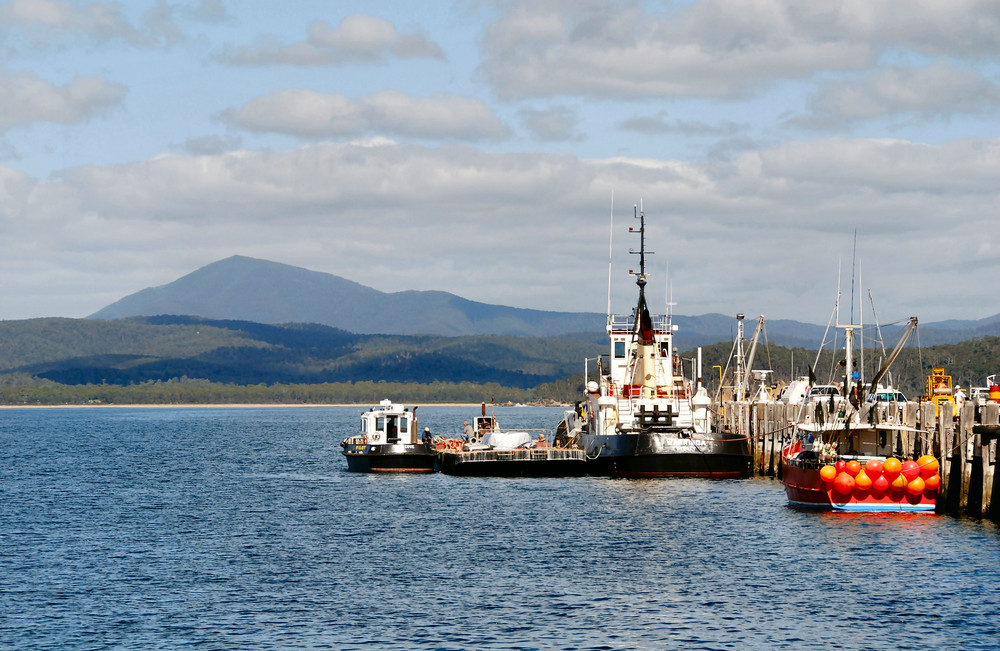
891,468
853,467
910,469
916,487
995,393
899,483
828,473
928,465
933,482
843,484
862,482
873,469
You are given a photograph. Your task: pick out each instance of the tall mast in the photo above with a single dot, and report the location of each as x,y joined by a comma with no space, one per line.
644,368
641,275
740,371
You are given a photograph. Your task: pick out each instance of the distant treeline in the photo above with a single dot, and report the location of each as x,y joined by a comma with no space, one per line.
200,392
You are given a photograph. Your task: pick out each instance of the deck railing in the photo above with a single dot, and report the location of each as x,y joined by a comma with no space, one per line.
625,322
520,454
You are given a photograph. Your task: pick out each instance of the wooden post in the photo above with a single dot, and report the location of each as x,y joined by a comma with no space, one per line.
990,417
958,485
754,414
775,451
760,417
950,460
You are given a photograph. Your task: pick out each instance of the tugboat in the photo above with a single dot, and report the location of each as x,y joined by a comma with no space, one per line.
492,452
843,459
389,442
642,418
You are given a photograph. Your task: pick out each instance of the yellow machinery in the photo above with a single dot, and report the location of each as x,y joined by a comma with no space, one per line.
939,389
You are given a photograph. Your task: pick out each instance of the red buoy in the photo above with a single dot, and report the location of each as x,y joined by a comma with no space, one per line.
928,466
843,484
910,470
891,468
873,469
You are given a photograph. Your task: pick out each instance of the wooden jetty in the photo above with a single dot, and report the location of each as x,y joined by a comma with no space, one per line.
965,445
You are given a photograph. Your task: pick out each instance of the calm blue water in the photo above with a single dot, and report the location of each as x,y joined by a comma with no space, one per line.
240,528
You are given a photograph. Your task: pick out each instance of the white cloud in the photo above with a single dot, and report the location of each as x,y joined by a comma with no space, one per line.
309,114
210,145
302,113
552,124
51,22
28,100
442,115
745,226
716,48
762,233
360,38
659,123
938,91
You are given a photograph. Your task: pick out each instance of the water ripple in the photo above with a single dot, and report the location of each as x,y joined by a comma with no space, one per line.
241,529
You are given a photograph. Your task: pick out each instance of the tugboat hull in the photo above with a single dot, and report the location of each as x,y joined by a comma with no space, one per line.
658,454
399,458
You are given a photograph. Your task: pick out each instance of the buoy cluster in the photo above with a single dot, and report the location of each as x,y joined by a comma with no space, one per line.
891,477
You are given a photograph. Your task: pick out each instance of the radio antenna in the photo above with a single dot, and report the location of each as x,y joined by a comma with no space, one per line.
611,238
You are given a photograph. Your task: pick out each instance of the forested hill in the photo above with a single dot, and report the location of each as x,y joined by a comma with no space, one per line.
130,351
194,352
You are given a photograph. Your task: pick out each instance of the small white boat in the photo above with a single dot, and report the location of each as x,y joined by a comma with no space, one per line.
389,442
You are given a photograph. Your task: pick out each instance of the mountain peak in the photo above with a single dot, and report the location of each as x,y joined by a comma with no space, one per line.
249,289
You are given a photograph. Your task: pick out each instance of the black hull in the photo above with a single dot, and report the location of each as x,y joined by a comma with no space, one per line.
667,454
390,458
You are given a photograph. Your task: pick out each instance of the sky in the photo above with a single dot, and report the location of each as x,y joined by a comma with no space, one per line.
782,152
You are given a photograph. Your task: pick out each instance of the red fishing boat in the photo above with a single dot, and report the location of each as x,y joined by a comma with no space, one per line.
817,477
844,454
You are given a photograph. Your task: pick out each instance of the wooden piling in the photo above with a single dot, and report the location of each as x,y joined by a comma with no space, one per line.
986,434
